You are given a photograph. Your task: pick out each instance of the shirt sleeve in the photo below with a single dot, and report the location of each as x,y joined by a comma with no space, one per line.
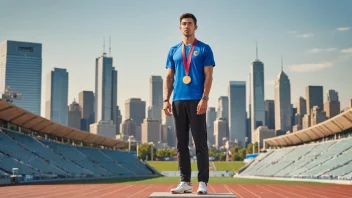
170,60
209,57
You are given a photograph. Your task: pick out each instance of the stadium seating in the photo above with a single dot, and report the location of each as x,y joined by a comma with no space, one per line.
331,159
48,159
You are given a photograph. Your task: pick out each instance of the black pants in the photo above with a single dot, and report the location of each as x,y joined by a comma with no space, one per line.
185,118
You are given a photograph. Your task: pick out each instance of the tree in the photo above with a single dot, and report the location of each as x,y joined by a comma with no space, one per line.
144,151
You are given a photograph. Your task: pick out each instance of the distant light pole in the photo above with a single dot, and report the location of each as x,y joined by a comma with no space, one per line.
151,150
130,139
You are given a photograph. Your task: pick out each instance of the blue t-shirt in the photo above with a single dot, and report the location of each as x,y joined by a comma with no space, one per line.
202,56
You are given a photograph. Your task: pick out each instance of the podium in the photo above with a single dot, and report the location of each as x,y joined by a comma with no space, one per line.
191,195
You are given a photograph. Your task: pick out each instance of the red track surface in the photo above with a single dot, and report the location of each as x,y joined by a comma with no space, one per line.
144,190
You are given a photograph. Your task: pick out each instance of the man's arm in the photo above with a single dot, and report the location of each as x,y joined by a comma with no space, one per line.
168,83
208,71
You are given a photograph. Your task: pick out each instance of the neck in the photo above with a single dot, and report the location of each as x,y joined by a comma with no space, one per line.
188,39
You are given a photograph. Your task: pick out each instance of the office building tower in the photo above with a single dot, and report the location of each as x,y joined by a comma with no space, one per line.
220,130
56,104
257,94
211,117
156,96
223,107
314,97
105,89
237,112
270,113
332,105
74,115
21,71
135,110
283,108
301,106
86,102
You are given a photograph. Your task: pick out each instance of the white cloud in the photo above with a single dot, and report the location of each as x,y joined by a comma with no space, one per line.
309,67
331,49
318,50
307,35
343,28
347,51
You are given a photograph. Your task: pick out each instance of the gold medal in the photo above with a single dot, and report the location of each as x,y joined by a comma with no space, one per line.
187,63
187,80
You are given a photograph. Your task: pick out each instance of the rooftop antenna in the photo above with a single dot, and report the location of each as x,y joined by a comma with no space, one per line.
282,64
256,49
104,47
109,45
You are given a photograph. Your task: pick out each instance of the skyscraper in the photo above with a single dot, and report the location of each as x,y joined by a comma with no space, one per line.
332,104
21,70
332,96
223,107
301,106
223,110
74,115
135,110
105,89
211,117
86,102
156,96
237,111
283,109
257,94
270,113
56,104
314,97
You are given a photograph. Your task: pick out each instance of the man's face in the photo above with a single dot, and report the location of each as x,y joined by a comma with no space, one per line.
187,27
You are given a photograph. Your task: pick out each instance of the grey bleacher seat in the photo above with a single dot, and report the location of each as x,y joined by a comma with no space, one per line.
16,151
72,154
48,154
128,161
306,161
43,158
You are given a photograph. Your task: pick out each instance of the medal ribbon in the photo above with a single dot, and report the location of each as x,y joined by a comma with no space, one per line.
187,63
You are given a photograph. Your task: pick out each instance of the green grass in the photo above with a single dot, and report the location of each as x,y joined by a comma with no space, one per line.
231,166
169,165
176,180
173,165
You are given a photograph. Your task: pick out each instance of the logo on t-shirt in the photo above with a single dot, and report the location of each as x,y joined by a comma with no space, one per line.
196,53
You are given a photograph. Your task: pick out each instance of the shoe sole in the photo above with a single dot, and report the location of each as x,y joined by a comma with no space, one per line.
186,191
201,193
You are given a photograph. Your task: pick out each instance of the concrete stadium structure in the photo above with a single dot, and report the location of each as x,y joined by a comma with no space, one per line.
330,127
40,150
322,152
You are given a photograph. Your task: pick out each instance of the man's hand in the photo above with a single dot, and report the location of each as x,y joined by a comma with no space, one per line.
202,107
167,108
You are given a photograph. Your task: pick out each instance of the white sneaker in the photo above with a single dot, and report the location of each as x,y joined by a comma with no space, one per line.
183,187
202,188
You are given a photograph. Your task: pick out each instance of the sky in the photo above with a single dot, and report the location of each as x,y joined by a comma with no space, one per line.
314,37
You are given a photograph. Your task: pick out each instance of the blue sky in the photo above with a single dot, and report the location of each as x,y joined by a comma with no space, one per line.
314,38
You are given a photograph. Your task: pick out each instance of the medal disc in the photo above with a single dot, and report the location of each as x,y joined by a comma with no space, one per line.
186,79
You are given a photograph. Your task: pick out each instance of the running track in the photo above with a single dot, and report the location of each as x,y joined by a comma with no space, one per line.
144,190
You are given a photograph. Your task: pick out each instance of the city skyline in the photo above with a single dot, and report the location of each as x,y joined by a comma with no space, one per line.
316,51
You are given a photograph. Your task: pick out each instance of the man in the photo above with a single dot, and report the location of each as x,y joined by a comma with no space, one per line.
189,75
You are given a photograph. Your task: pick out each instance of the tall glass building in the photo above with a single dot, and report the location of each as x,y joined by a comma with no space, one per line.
283,108
257,95
105,89
237,112
21,70
156,96
56,104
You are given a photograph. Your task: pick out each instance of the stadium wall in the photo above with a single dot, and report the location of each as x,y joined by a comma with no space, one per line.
344,182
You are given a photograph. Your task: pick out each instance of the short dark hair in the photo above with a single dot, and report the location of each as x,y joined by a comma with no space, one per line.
188,15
